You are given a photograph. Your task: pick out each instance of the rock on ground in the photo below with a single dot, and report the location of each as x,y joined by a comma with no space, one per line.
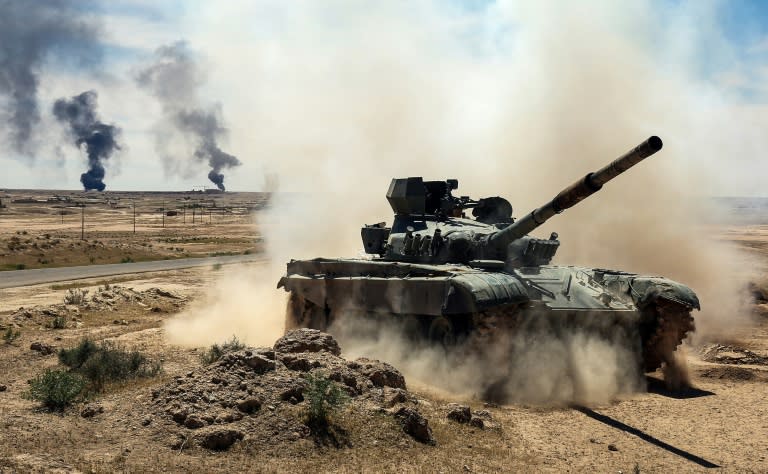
42,348
459,413
415,425
307,340
91,410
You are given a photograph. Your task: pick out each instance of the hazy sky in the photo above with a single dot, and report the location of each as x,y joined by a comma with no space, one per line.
309,88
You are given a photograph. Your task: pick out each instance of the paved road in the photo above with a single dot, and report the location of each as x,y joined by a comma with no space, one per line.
13,278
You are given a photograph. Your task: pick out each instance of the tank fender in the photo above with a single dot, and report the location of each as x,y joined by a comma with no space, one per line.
646,290
477,291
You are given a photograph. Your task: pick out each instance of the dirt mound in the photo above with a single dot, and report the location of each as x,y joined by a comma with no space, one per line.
108,298
730,354
103,298
736,374
259,393
42,313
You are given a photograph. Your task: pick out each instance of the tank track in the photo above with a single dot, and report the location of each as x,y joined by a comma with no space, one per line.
673,323
300,313
669,324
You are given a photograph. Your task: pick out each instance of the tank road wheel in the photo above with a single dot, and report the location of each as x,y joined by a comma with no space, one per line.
412,328
302,313
673,322
441,331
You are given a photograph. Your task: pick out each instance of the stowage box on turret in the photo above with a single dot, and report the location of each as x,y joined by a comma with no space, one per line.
448,277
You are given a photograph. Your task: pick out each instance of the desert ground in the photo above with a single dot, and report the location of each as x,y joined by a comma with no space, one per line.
43,229
719,424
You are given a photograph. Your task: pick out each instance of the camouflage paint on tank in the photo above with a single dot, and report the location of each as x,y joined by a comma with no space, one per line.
436,262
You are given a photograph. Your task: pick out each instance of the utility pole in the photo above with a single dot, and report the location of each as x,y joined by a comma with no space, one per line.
134,216
184,210
82,221
163,214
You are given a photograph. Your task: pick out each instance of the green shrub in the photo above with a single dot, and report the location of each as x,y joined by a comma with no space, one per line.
324,397
215,352
107,362
58,322
20,266
55,389
126,260
75,358
112,363
10,335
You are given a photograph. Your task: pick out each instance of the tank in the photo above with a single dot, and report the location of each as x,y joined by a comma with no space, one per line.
445,277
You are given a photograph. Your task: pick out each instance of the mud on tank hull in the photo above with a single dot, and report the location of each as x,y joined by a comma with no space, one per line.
449,303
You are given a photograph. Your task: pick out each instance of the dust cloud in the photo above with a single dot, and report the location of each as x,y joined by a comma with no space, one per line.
245,301
517,99
537,365
676,374
238,304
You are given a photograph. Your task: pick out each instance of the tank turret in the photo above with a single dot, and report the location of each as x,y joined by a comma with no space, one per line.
431,225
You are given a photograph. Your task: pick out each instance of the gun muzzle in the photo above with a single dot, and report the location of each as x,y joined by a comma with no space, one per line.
576,192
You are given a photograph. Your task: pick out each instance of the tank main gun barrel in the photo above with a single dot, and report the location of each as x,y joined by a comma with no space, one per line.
575,193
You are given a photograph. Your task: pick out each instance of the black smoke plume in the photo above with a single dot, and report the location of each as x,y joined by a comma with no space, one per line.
30,32
100,139
174,78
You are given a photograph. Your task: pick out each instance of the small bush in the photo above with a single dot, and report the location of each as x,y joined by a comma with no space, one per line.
324,397
55,389
75,358
217,267
58,322
126,260
107,362
215,352
10,335
20,266
75,296
112,363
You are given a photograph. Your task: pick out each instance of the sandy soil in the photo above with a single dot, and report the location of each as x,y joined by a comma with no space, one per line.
41,229
721,424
